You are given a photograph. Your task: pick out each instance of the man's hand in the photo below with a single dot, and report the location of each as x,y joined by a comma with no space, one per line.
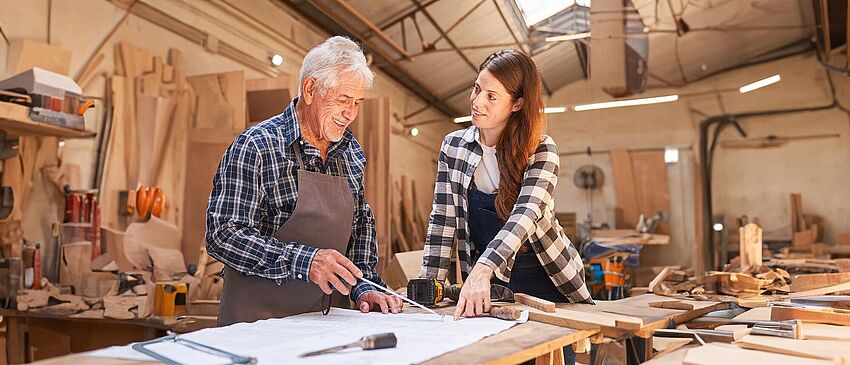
328,267
373,299
475,294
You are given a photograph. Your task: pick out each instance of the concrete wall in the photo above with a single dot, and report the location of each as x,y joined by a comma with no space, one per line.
753,182
258,28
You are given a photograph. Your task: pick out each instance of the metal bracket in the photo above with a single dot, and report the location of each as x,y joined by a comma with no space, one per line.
173,337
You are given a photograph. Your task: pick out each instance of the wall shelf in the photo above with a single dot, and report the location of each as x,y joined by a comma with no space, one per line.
15,120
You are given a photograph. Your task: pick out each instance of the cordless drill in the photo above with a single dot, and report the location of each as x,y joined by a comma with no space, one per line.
430,292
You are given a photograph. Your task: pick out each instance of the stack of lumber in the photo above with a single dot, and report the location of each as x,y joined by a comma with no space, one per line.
804,228
408,221
152,107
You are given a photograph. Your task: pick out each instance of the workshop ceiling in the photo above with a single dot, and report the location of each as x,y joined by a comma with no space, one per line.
456,35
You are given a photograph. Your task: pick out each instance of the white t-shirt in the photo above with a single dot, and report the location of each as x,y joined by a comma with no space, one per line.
487,172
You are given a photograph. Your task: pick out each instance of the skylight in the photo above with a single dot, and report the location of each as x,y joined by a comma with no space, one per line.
536,11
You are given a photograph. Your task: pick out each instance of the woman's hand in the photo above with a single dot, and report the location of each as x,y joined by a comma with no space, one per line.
475,294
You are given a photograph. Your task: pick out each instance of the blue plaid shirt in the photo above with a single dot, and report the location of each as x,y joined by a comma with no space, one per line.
255,190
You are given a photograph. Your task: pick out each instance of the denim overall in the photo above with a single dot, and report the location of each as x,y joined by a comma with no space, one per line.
527,275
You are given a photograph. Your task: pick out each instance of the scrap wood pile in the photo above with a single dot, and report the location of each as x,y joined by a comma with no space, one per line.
753,283
758,280
749,276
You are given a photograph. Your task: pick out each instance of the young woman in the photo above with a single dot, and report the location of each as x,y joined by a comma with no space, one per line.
493,194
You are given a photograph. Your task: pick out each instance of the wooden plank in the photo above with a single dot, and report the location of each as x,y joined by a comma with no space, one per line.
15,339
655,284
535,302
831,350
750,246
25,54
267,97
822,291
819,331
520,343
816,281
809,315
754,315
624,186
403,267
798,221
201,167
699,224
114,176
220,99
372,131
650,177
716,353
171,172
152,117
580,319
664,345
131,144
556,357
270,83
672,304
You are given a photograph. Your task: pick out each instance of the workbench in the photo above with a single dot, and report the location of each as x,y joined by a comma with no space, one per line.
520,343
89,333
531,340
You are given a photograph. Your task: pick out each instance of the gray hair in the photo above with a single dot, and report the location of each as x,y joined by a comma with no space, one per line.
336,56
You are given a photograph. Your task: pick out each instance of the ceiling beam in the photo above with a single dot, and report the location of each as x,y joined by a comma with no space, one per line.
374,28
332,23
444,35
462,18
403,16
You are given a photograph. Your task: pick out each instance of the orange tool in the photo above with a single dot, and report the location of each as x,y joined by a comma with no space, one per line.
150,201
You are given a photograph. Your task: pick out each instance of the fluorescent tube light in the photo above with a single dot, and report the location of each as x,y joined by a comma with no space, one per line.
465,119
759,84
630,102
568,37
555,109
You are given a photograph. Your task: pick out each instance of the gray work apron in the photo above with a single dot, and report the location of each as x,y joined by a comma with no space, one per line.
323,215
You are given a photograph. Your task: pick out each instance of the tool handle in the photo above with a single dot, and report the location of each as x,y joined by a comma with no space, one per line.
510,314
380,341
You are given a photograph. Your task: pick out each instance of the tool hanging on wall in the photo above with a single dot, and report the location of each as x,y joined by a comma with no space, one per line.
149,201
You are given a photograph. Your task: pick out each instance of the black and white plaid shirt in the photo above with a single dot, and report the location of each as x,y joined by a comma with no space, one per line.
532,218
254,193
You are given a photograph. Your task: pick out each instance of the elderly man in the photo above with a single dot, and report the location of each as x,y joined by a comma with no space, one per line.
287,214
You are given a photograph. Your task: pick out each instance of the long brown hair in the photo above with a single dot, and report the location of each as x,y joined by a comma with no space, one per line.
520,138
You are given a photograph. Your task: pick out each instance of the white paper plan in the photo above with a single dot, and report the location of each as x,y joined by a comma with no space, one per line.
280,341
